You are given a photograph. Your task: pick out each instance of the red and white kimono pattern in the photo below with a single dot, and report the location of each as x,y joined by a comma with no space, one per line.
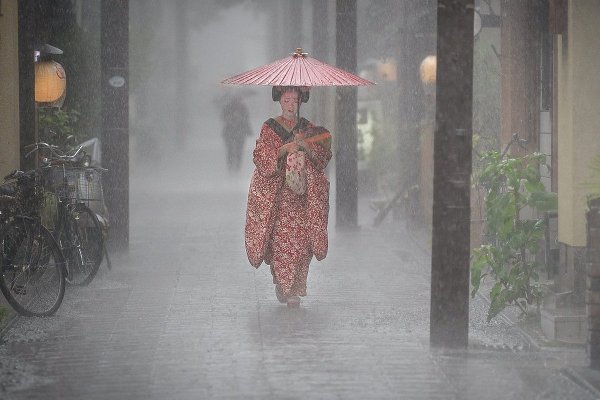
285,229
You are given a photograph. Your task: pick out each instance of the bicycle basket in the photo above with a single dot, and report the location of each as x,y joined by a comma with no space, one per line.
77,184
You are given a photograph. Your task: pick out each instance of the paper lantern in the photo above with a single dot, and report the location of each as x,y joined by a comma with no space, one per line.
387,70
50,81
428,69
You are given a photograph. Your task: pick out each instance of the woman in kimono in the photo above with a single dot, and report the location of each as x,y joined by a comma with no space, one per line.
288,200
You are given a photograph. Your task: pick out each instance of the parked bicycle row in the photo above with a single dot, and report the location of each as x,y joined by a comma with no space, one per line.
53,224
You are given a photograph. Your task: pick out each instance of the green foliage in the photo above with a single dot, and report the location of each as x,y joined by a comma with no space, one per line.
511,184
56,125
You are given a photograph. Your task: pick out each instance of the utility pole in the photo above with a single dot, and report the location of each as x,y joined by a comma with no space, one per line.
346,168
449,317
114,54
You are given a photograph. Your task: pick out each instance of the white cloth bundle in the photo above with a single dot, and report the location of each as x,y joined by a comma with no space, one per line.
295,172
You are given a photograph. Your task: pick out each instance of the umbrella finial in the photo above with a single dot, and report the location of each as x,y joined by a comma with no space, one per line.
299,53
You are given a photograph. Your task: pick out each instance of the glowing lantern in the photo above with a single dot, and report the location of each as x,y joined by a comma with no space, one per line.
387,70
428,69
50,83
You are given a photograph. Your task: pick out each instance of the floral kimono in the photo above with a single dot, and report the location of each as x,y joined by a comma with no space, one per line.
285,228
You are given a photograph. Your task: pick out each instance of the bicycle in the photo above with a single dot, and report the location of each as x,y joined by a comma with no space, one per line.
32,266
75,226
404,195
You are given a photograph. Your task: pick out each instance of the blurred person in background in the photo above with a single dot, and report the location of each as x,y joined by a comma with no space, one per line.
288,200
236,126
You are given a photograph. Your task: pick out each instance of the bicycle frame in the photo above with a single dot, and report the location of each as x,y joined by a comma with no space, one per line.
62,232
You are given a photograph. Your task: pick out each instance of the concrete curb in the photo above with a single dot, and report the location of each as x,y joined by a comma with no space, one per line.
583,377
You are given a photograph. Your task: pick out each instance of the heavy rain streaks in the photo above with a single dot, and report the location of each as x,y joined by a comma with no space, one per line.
183,314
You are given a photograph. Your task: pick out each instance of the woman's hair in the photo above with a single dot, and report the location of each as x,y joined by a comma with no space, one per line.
277,91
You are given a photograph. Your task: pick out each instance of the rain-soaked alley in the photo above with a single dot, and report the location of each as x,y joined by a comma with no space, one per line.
183,315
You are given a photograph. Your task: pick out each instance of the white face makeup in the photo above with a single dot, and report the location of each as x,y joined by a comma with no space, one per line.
289,104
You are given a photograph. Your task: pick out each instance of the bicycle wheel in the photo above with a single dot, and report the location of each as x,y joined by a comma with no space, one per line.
32,268
83,245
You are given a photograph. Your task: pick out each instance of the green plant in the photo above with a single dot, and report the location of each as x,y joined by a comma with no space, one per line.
511,184
57,125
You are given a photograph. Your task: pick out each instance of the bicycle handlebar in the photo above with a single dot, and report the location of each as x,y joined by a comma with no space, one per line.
53,151
37,146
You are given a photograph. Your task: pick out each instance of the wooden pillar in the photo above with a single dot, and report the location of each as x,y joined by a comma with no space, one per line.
346,168
449,318
27,111
114,44
520,68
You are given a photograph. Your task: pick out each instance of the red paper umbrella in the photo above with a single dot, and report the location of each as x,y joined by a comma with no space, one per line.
297,70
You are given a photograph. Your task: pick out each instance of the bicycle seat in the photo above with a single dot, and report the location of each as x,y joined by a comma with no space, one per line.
15,174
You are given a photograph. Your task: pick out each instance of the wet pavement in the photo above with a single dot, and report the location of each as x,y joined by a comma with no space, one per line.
184,316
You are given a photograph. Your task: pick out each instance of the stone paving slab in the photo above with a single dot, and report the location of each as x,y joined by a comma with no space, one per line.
184,316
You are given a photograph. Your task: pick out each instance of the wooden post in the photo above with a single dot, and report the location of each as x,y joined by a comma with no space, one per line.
27,109
449,318
346,168
114,42
520,68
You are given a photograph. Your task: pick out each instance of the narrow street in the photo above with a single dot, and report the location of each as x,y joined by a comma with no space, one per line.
184,316
478,114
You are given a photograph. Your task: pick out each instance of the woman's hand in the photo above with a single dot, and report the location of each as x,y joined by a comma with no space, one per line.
287,148
303,146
